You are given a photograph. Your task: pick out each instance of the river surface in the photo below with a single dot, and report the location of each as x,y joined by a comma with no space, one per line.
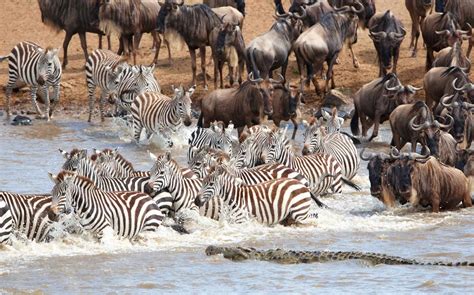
166,261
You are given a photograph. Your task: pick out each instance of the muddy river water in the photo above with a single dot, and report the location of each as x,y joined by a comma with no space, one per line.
166,261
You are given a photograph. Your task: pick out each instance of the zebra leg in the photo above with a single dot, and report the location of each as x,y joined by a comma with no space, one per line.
103,98
91,89
8,95
34,90
192,52
46,101
56,90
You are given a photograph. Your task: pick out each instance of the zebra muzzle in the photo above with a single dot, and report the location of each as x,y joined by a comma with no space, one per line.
198,201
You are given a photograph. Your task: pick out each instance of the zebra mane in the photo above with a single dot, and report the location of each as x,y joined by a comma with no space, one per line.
119,158
64,174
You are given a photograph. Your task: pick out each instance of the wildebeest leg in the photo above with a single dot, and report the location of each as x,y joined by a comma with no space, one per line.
283,70
466,199
301,64
375,132
329,73
435,202
82,37
231,76
192,52
316,85
100,40
469,48
157,40
67,39
170,61
109,43
135,42
202,52
240,130
355,61
429,59
295,127
396,54
121,45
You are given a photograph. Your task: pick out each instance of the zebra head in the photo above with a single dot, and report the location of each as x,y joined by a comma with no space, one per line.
183,103
224,139
277,148
115,76
206,158
211,187
160,173
106,161
334,122
313,135
46,64
61,199
73,158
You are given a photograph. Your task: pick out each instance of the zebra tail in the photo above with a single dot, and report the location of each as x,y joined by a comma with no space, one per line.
350,183
355,123
318,201
179,228
354,139
2,58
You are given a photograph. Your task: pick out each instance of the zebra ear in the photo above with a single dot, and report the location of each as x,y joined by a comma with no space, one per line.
54,178
83,153
168,156
151,68
305,123
325,115
152,156
95,151
64,153
341,120
191,90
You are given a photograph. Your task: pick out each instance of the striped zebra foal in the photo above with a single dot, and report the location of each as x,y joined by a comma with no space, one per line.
104,69
30,214
316,140
6,222
156,112
314,167
125,213
284,201
166,174
38,68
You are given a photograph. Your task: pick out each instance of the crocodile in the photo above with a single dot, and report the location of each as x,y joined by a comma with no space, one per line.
293,257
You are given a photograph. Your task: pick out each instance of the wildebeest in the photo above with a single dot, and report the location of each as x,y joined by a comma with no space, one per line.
74,17
429,182
365,15
230,48
453,55
244,106
418,10
286,99
239,4
458,108
271,50
129,19
463,10
433,30
377,166
387,32
439,82
376,100
314,46
229,14
415,123
197,25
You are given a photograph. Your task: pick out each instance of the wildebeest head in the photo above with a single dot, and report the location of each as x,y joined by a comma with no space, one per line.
295,97
297,5
229,34
453,34
459,110
266,89
350,12
429,129
377,167
387,36
365,14
168,9
394,90
183,103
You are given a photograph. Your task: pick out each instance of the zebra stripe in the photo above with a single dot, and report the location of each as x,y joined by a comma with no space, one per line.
313,167
126,213
38,68
6,222
336,144
276,201
333,122
156,112
166,174
104,69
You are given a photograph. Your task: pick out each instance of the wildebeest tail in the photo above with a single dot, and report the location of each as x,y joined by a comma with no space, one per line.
350,183
254,69
355,123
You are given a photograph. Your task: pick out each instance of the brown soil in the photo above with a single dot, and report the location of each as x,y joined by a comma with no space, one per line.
21,21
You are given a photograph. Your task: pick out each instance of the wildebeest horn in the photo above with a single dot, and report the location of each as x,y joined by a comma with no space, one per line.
368,157
413,89
444,126
361,7
395,88
416,127
443,32
444,101
465,87
394,153
416,156
302,15
378,35
277,14
251,79
467,105
277,81
396,36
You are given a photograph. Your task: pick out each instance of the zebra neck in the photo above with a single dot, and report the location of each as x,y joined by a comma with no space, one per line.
173,112
88,169
233,195
287,157
177,179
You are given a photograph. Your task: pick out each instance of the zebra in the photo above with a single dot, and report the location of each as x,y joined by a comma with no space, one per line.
283,201
333,122
166,173
125,213
6,222
37,67
136,80
30,214
216,137
104,69
336,144
156,112
313,167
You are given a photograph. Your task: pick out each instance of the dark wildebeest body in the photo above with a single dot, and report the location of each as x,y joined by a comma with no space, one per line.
459,109
463,10
387,33
430,183
439,82
415,123
244,106
433,23
198,25
270,50
74,17
230,49
239,4
376,100
418,10
323,43
285,103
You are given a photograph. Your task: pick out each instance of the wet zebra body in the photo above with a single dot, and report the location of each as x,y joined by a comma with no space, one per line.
6,222
276,201
125,213
156,112
38,68
166,174
214,137
104,69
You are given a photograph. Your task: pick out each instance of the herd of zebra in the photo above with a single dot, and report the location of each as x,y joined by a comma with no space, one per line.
260,178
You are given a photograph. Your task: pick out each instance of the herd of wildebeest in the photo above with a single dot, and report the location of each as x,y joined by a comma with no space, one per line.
259,172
